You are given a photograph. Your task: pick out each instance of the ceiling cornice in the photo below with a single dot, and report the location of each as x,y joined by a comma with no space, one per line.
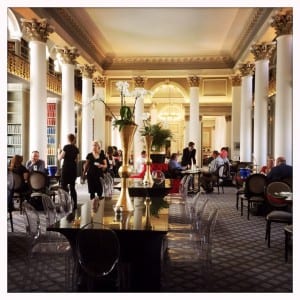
66,25
259,16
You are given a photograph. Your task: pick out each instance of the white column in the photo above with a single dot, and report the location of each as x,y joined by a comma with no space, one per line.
68,60
194,128
261,54
138,145
261,112
228,130
246,113
87,113
153,114
283,141
220,132
67,102
99,112
284,99
139,93
236,117
37,32
38,98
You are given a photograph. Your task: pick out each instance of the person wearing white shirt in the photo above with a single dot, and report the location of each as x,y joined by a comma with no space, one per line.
209,177
140,162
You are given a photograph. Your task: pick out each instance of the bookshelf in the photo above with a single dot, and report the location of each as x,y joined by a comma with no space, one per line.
17,120
51,131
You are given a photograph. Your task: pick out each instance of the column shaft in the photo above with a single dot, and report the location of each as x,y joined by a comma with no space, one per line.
38,98
261,112
194,128
87,117
246,119
236,122
67,103
284,100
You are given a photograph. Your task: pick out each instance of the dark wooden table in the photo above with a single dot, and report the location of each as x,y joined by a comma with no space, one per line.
141,249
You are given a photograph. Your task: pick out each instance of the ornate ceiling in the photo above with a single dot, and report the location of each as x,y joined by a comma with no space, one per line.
158,42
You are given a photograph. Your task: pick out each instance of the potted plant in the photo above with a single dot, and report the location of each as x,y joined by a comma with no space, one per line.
160,138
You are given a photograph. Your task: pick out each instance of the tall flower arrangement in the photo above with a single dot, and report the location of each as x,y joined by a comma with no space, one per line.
126,112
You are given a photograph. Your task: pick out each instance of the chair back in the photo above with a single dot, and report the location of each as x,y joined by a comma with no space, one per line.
272,189
255,184
32,221
49,209
38,181
98,249
208,227
184,185
17,181
65,201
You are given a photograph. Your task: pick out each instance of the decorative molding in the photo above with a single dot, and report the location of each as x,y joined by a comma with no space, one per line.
283,23
87,70
193,81
167,62
99,81
247,69
139,82
250,30
236,80
263,51
36,30
68,55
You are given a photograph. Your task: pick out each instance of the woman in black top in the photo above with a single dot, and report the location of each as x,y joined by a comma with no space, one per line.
69,169
95,165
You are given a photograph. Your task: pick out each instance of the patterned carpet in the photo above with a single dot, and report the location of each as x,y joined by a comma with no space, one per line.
241,260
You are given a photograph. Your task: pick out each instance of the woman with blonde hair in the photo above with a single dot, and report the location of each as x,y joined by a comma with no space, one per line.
93,168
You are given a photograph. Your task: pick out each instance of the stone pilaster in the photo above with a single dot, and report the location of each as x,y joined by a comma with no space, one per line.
194,81
139,82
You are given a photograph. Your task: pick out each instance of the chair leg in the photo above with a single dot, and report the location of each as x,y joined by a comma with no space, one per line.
242,205
248,213
11,221
268,233
286,246
237,202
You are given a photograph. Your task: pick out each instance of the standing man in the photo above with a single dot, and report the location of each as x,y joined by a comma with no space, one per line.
35,163
188,155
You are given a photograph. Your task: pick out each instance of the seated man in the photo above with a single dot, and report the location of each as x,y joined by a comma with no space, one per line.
281,171
35,163
208,178
175,167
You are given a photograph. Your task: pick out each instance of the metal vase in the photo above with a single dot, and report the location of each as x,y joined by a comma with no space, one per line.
147,177
126,133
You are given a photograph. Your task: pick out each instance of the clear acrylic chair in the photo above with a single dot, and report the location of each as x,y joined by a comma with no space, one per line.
98,252
41,249
65,204
206,227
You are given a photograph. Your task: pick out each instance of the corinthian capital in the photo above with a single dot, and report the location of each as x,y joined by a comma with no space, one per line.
194,81
36,30
247,69
262,51
283,23
236,80
139,82
68,55
99,81
87,71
